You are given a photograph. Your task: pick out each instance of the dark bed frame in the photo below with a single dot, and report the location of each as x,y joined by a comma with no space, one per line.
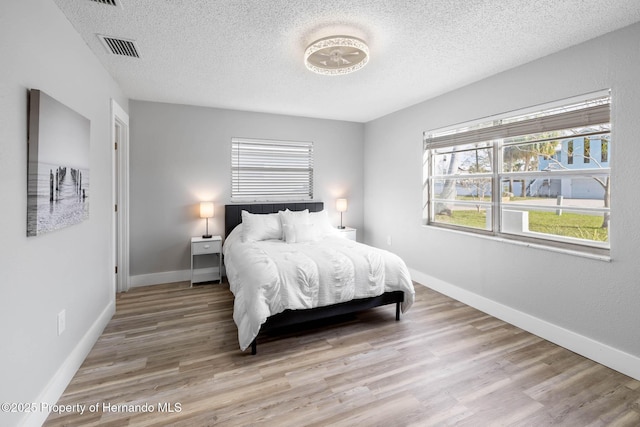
233,217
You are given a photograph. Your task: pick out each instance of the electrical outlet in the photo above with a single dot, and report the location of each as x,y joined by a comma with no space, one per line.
389,240
62,322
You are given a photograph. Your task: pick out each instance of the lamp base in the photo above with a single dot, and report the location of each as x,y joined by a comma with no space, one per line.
207,236
341,227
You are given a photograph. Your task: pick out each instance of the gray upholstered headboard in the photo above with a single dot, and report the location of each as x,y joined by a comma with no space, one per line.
233,213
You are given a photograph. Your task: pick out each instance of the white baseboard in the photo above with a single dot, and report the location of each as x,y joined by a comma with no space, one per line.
168,277
611,357
63,376
159,278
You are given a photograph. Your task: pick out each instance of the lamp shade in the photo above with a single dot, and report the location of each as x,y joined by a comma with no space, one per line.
341,205
206,210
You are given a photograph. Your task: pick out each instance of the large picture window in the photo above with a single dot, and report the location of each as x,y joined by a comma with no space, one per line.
538,176
267,170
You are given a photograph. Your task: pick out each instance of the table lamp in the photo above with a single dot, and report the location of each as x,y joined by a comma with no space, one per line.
206,211
341,206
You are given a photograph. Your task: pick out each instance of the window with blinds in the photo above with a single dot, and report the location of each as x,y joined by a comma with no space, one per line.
539,176
267,170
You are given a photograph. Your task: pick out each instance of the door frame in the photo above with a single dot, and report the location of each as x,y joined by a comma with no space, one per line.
120,197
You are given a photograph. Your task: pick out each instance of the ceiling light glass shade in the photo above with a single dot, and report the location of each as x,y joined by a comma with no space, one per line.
336,55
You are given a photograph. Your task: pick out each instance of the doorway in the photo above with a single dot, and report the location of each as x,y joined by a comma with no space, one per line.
120,183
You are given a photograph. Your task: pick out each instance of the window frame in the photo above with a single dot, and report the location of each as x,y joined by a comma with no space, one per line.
450,138
265,170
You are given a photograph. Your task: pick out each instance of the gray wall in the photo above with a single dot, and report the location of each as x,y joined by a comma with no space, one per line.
593,298
72,268
181,155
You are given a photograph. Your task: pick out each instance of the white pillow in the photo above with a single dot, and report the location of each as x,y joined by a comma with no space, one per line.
294,217
322,224
256,227
300,233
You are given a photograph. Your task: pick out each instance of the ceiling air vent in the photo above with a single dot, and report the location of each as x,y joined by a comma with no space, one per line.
108,2
120,46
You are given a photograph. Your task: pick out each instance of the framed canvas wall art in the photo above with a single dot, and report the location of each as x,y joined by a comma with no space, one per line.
58,165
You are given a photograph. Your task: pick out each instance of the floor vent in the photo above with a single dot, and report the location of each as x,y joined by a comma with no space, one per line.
107,2
120,46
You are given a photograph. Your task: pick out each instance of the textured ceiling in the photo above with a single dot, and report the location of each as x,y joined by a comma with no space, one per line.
248,54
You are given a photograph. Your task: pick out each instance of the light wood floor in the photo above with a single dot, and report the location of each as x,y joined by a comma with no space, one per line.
444,363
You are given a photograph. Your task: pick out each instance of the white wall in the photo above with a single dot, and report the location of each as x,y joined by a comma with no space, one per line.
594,302
68,269
181,155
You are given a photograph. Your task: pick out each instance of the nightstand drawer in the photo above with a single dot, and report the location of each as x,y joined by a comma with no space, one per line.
212,247
348,233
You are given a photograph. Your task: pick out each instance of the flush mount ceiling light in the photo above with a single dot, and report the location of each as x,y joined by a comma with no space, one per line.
336,55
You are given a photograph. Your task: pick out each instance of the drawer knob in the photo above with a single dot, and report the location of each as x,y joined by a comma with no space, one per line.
207,246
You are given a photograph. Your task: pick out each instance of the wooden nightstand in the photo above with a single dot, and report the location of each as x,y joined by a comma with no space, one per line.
206,248
348,233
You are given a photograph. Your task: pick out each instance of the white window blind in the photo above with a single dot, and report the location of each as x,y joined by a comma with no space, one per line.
265,170
579,115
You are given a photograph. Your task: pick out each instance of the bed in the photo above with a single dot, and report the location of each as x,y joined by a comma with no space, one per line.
287,265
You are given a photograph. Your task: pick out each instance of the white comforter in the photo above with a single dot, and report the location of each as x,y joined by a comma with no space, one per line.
270,276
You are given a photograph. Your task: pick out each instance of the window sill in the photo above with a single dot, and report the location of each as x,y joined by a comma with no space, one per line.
534,245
